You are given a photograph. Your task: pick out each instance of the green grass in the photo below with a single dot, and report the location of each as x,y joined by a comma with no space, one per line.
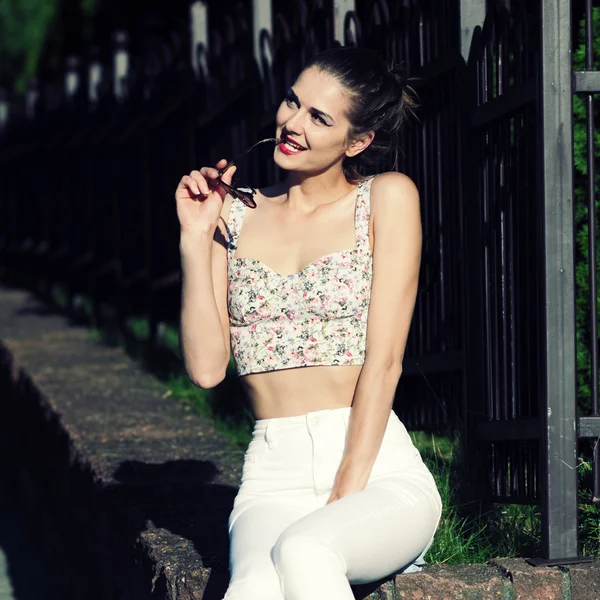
138,327
171,339
475,532
589,513
438,447
233,423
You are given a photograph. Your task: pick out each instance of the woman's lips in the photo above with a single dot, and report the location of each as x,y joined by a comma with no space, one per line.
288,150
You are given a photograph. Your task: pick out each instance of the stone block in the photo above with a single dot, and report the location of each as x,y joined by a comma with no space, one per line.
531,583
453,582
585,581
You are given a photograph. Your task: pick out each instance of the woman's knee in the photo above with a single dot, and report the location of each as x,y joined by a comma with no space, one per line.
290,550
295,550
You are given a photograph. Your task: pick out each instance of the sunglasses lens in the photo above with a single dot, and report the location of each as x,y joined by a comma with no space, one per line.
243,193
246,196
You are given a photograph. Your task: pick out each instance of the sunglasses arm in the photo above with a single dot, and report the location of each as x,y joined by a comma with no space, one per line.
232,162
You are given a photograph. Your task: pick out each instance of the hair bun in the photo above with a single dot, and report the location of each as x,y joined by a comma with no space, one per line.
398,73
406,93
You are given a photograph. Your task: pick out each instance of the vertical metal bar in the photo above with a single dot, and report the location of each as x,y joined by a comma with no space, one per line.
591,198
472,14
559,458
340,9
262,20
198,35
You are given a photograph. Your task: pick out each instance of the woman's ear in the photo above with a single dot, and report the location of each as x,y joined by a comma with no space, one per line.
357,146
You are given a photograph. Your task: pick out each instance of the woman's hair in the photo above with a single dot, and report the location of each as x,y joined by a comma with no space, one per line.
379,100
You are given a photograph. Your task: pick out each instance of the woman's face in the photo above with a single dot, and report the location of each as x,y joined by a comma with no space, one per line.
312,116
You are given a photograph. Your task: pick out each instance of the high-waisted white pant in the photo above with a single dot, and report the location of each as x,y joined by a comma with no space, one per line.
287,543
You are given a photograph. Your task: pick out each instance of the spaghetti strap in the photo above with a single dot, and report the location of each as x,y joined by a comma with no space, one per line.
234,224
363,212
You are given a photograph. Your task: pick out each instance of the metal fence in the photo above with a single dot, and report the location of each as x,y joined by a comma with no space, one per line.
89,161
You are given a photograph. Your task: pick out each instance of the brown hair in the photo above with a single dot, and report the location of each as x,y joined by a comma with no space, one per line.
380,101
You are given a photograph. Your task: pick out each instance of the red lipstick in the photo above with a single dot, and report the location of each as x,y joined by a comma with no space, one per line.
292,148
286,150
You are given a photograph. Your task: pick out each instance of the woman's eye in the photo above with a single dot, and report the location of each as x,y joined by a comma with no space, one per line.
319,119
289,100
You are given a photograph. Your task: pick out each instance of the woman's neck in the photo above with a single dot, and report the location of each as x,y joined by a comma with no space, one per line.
307,193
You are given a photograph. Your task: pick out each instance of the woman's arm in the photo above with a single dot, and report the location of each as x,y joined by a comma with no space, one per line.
204,327
202,210
395,213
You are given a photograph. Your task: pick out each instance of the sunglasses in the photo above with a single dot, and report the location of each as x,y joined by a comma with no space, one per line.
245,193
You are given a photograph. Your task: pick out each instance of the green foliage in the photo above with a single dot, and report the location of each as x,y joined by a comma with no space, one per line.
589,513
581,218
139,327
24,27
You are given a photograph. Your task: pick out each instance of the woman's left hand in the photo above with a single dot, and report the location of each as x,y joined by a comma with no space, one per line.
348,480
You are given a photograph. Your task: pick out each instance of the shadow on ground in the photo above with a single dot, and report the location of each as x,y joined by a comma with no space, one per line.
179,499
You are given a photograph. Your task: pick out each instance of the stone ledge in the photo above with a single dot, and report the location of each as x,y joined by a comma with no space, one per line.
453,581
129,493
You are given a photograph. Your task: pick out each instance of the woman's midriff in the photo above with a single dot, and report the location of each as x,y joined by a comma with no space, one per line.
292,392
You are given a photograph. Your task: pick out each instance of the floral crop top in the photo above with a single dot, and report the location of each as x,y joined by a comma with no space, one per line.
317,316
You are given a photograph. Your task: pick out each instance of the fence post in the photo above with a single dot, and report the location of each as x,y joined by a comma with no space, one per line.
559,432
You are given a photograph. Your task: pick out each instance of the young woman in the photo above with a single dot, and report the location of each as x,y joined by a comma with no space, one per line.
314,296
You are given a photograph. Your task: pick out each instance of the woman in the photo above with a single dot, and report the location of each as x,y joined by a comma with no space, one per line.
314,296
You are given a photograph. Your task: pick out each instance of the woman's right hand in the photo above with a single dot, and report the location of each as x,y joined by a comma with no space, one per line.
200,198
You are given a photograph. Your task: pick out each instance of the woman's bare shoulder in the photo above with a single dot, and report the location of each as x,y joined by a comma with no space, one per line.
392,192
392,181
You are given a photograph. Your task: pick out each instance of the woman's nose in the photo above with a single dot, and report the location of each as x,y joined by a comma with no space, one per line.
295,124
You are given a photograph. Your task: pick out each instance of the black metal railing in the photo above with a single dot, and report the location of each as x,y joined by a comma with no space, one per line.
521,287
502,226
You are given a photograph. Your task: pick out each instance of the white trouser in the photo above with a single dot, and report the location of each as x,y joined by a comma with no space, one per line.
287,543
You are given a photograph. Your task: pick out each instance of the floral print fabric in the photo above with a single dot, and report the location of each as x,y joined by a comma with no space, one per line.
317,316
